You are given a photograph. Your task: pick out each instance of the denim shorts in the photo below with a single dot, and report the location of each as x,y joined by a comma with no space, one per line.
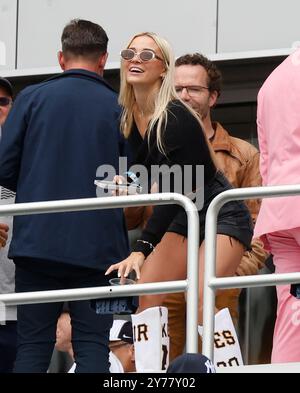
234,218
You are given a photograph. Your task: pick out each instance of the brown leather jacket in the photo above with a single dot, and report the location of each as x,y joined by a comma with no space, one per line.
239,160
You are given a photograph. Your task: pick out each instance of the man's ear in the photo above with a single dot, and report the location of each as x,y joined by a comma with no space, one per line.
61,60
102,60
163,74
213,96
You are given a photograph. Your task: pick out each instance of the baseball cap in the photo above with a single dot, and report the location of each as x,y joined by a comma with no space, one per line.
191,363
121,330
5,84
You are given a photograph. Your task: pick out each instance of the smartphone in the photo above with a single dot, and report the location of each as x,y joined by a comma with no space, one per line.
131,188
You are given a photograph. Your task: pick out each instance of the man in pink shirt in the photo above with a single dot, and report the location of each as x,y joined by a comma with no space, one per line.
278,222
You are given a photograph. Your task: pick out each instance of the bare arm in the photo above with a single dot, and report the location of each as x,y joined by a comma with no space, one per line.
3,234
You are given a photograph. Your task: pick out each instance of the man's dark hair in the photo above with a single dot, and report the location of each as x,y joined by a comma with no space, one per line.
214,75
84,38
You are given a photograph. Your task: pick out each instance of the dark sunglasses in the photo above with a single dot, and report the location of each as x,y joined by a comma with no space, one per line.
144,55
5,101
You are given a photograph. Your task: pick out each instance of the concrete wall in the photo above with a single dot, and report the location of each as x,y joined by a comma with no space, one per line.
31,29
8,27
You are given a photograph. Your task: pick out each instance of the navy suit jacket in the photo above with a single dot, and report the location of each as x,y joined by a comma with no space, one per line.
55,137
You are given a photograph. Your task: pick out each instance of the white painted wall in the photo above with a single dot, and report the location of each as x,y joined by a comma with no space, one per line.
188,25
8,20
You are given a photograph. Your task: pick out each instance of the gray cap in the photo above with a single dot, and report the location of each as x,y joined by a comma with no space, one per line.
6,85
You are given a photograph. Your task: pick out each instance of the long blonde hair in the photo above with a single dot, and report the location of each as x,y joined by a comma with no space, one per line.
166,94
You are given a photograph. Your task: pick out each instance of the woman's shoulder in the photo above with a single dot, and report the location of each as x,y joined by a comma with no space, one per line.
182,126
178,110
177,107
180,115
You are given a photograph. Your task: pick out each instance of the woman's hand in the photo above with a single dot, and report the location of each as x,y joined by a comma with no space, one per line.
3,234
133,262
118,179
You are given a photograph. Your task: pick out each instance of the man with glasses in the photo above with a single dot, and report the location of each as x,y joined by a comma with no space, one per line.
8,326
198,83
57,135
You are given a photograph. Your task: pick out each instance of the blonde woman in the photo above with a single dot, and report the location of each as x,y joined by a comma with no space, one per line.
162,130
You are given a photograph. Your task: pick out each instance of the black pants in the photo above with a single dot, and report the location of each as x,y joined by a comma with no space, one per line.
8,346
37,322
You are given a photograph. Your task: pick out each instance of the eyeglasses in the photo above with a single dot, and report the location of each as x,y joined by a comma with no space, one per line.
5,101
192,91
144,55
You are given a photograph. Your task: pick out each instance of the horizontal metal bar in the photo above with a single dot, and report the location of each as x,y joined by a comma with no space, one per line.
92,293
254,280
237,194
278,368
84,204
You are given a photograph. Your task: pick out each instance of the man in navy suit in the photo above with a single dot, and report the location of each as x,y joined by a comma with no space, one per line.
57,135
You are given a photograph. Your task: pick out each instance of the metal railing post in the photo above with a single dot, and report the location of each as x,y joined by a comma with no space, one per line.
209,272
192,279
211,282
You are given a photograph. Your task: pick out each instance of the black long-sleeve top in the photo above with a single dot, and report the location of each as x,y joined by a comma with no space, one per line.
184,143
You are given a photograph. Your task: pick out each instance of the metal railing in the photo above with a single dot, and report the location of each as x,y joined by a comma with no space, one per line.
211,282
190,285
